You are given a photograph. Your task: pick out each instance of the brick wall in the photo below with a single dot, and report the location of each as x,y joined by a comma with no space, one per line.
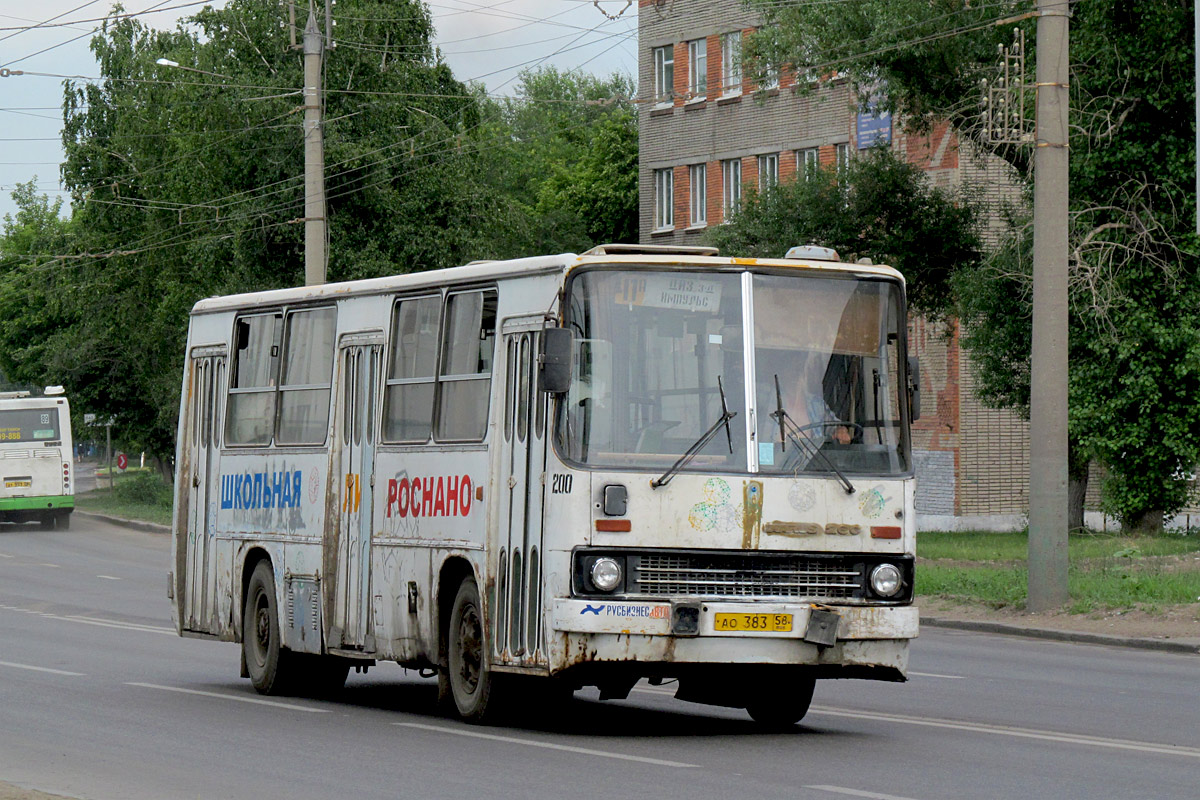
969,459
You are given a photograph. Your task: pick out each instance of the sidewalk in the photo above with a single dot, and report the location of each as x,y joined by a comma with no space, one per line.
1175,630
1163,635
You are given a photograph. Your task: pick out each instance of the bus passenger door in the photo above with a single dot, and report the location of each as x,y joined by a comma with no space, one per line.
208,374
518,612
356,434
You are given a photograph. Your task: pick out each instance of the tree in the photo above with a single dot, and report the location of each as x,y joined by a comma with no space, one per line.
1134,270
34,293
188,184
881,207
560,162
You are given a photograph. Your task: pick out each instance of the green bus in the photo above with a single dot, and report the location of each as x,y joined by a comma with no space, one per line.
36,474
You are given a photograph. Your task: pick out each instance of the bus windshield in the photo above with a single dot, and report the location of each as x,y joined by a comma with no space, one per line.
662,354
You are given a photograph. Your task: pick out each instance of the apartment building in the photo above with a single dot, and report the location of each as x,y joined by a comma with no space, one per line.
707,133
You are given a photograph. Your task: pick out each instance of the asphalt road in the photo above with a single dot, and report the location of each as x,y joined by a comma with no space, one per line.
100,700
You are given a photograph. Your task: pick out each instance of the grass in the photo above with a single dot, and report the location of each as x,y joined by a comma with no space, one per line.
1107,571
989,546
139,494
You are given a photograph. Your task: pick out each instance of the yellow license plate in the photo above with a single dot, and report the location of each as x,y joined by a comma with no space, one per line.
17,484
775,623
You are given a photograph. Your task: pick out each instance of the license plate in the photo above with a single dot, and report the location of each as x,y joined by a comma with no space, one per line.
775,623
17,484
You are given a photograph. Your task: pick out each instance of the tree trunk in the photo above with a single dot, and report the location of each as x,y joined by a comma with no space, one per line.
1143,523
1077,481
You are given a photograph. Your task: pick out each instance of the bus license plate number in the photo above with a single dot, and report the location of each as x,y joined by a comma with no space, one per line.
17,484
775,623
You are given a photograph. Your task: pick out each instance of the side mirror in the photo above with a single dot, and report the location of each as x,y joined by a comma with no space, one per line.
554,362
914,389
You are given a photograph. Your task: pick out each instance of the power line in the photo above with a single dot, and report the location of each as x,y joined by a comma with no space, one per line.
46,23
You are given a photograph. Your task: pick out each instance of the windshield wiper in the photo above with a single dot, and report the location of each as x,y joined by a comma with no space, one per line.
704,439
802,440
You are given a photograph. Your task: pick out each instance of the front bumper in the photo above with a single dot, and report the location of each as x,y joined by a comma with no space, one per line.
655,618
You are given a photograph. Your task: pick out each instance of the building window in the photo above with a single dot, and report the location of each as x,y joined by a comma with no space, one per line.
664,73
697,69
842,157
770,79
698,190
731,63
807,162
768,171
664,199
731,178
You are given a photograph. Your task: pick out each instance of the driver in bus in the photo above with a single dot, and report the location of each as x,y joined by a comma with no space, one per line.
804,401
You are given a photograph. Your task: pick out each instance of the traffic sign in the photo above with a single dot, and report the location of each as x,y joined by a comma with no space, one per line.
122,461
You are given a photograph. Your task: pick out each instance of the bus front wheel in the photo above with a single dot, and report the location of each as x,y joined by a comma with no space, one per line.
782,708
470,678
266,660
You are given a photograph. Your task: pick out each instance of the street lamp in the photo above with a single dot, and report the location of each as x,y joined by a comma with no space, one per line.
166,62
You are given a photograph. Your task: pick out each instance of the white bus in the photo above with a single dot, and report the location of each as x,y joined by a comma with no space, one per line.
592,469
36,458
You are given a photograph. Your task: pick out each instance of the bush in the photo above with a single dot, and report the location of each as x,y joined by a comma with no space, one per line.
143,487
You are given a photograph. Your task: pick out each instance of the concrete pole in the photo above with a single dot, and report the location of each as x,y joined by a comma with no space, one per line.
314,157
1196,55
1048,382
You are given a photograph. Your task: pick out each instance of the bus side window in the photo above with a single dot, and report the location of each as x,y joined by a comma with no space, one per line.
250,411
307,375
466,371
412,370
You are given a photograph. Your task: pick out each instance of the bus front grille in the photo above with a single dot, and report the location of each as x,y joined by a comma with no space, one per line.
750,577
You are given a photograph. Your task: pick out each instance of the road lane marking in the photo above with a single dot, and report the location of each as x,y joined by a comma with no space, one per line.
1023,733
223,696
104,623
41,669
6,555
108,578
857,793
109,623
546,745
936,675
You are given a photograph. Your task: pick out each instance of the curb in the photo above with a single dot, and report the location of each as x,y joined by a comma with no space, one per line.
1162,645
136,524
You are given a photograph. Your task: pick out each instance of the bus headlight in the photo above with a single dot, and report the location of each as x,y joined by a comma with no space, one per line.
886,580
605,574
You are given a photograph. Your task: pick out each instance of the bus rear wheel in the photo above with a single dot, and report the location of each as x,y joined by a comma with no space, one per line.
780,707
469,677
268,664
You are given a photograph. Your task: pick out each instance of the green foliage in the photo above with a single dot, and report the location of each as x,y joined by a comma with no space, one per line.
988,546
1135,274
187,184
143,486
881,207
560,161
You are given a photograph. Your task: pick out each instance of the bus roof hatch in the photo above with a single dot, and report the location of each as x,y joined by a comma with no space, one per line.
649,250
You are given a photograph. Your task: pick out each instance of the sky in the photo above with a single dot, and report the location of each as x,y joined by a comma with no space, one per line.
488,41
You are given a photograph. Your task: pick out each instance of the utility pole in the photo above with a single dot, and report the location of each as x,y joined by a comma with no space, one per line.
314,157
1048,379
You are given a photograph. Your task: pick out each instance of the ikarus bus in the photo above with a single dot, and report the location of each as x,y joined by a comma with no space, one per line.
36,458
634,463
